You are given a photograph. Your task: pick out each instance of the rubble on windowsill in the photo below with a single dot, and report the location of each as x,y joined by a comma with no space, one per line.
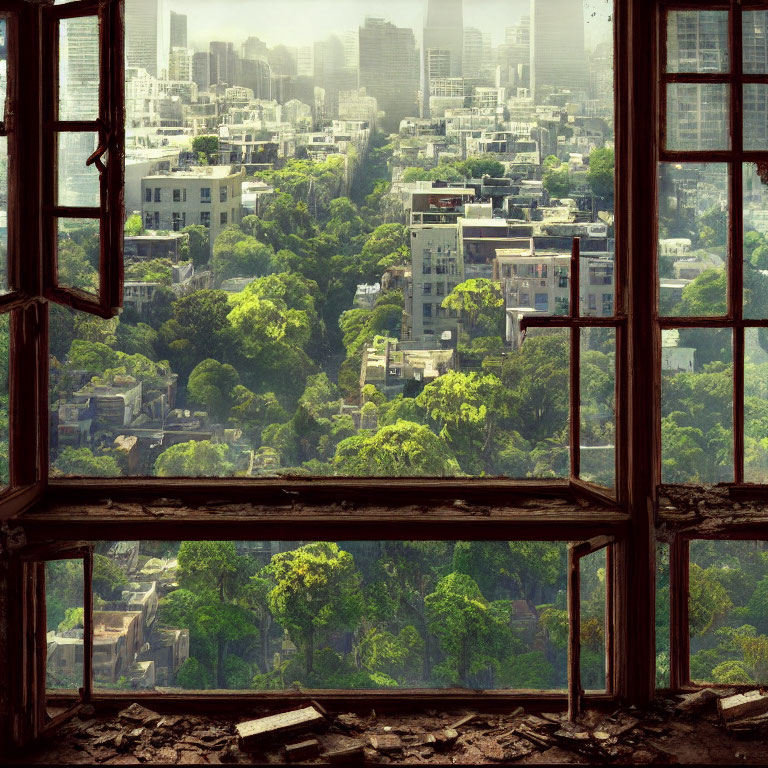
685,728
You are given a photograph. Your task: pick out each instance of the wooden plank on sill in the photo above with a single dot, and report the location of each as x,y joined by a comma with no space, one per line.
252,733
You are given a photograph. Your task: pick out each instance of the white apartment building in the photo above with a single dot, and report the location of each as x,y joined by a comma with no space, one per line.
436,263
206,195
538,282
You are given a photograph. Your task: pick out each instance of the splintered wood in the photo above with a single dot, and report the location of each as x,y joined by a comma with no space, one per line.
743,705
252,733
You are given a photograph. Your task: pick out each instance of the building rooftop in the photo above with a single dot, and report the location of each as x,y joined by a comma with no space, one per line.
197,172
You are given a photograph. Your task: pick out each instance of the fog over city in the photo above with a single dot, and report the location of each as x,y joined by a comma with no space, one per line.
300,22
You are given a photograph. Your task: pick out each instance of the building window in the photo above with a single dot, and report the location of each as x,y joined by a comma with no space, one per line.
205,194
426,310
180,195
205,218
148,195
222,194
157,194
426,289
223,218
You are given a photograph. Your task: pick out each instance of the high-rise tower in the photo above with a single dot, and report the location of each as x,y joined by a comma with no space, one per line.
147,35
558,56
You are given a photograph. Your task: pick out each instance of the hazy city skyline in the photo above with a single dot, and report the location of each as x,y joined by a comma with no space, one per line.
278,24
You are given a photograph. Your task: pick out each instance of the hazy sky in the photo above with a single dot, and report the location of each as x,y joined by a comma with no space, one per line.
300,22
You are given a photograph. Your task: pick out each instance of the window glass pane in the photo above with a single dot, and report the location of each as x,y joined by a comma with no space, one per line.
367,614
596,286
697,41
3,214
3,65
728,582
593,625
78,254
755,241
697,116
755,116
693,239
78,183
697,405
754,35
64,624
5,324
755,401
320,324
79,68
662,615
598,405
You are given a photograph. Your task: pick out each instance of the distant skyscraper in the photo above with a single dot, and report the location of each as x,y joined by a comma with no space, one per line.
558,56
253,48
178,30
222,63
331,72
282,60
201,70
305,61
437,63
444,30
389,69
147,35
472,59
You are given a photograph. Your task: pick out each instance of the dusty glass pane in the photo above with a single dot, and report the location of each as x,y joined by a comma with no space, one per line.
593,624
598,405
4,214
77,254
755,241
697,116
693,239
696,405
3,65
697,41
261,615
754,35
728,582
79,68
755,400
64,624
326,289
755,116
4,398
78,183
662,615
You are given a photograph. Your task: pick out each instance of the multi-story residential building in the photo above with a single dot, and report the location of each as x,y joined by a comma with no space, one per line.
538,282
147,35
389,69
208,195
436,263
180,64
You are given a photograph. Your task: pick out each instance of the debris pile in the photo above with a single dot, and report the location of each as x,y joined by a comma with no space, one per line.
309,734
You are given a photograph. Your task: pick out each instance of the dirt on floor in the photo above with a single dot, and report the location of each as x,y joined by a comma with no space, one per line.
678,730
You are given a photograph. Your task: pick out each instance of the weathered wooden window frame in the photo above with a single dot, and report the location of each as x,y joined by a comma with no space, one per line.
327,508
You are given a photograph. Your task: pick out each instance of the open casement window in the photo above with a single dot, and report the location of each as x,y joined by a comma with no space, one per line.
54,595
83,137
590,611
